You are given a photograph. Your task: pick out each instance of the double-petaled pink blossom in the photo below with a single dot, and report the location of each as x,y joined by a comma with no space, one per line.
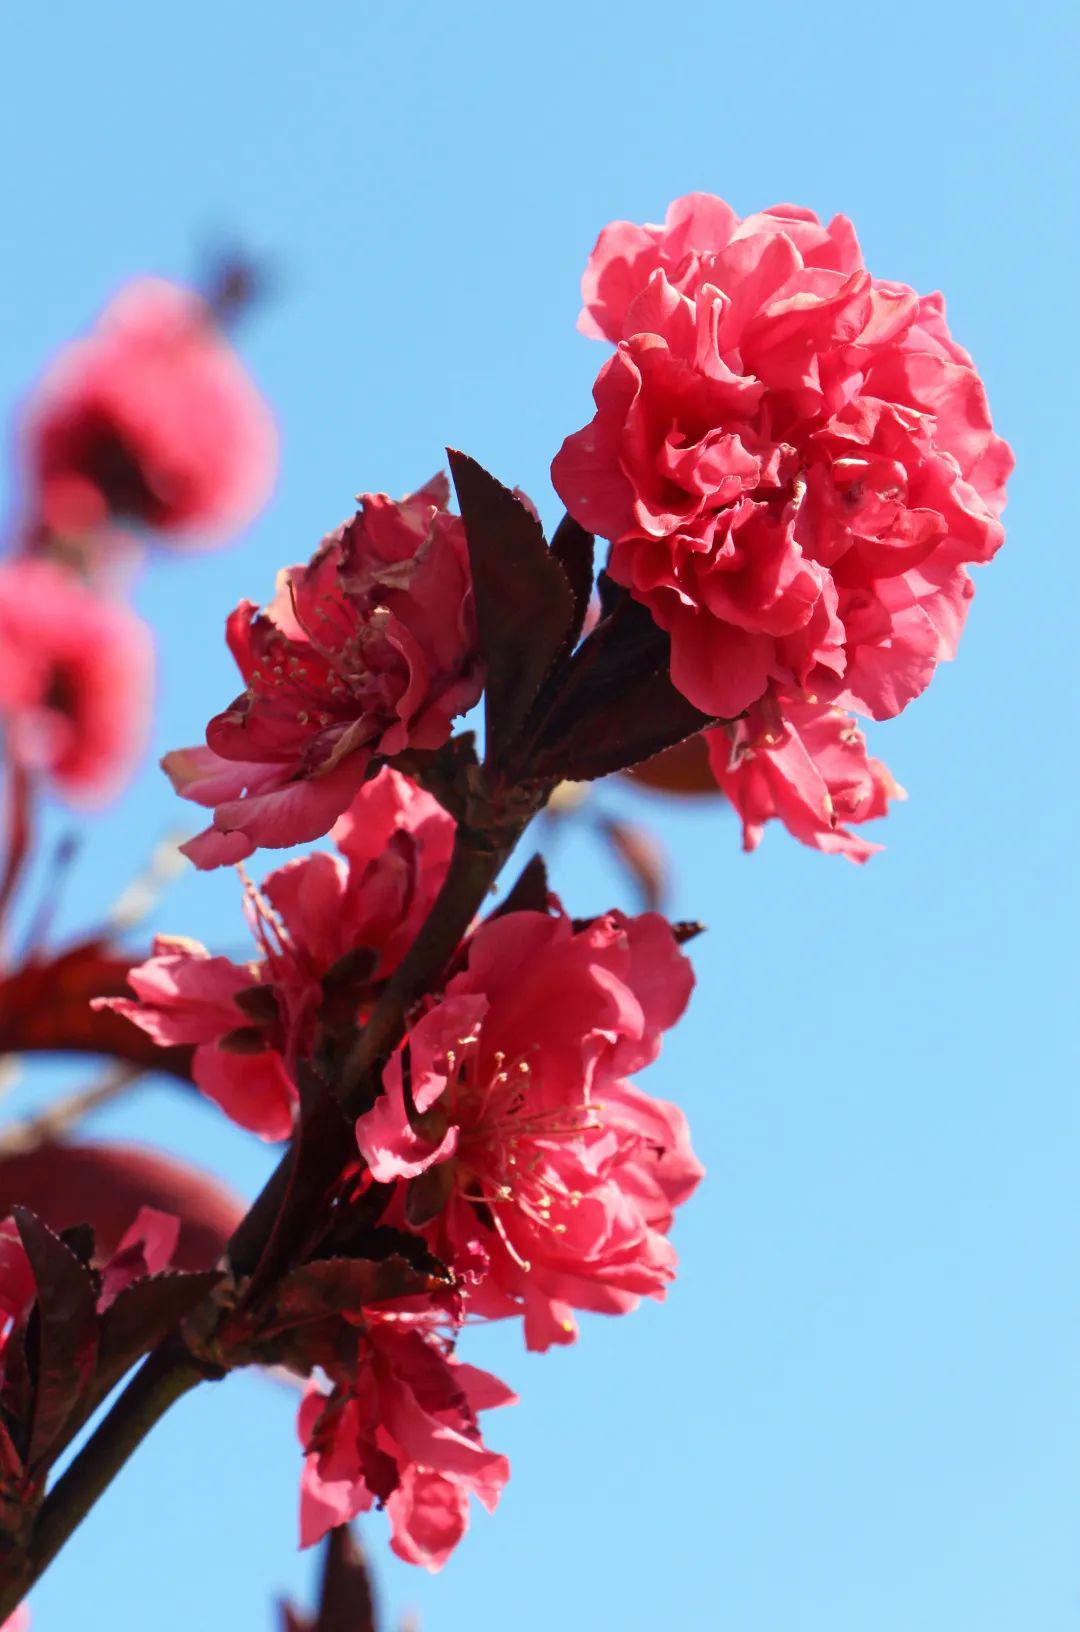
150,419
401,1430
76,680
370,649
794,460
354,915
805,764
537,1169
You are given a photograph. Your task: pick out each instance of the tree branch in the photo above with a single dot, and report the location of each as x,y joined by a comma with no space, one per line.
171,1371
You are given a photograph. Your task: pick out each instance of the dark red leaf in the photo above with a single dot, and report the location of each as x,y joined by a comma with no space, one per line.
617,705
642,856
45,1007
524,602
346,1599
683,769
140,1316
66,1337
687,929
337,1286
529,892
105,1185
572,547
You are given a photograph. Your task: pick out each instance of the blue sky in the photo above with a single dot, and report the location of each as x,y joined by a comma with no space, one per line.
860,1408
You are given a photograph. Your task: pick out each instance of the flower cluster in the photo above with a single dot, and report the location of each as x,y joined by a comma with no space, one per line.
794,466
794,462
508,1139
368,650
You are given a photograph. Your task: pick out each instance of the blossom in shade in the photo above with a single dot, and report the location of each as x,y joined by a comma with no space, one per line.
793,460
76,680
321,922
370,649
151,419
401,1430
532,1162
805,764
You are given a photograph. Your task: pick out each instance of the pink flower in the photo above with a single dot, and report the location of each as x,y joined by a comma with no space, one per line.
401,1431
19,1621
370,649
76,680
147,1248
16,1279
151,418
793,460
341,920
183,995
542,1172
806,764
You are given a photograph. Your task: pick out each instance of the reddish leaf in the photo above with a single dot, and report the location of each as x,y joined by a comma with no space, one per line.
141,1315
618,704
66,1335
45,1007
687,929
105,1185
524,602
572,547
683,769
338,1286
642,856
529,892
346,1600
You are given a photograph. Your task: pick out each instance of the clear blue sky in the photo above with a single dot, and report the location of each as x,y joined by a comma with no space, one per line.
860,1409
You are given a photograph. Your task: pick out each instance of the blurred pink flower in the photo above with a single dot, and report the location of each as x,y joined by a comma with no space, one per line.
151,418
76,680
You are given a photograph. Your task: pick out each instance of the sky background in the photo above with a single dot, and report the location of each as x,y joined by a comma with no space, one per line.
859,1410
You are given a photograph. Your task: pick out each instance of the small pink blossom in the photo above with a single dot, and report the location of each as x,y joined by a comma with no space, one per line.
370,649
806,764
402,1431
16,1278
151,418
147,1248
355,913
19,1621
794,461
76,680
183,995
537,1163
